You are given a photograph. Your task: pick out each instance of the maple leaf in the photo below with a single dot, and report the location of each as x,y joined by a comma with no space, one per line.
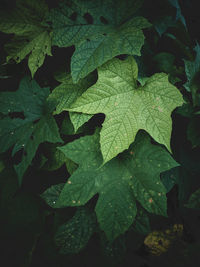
32,35
37,126
132,176
128,107
98,30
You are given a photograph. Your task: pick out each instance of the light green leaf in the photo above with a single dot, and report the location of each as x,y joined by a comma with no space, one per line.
129,108
66,93
31,36
108,34
119,183
74,235
26,134
78,119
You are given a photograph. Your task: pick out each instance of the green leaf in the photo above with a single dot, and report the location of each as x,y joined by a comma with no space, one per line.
71,166
141,223
129,108
66,93
170,178
108,34
132,176
79,119
32,37
162,24
26,134
179,15
51,195
192,70
194,200
193,131
74,235
54,158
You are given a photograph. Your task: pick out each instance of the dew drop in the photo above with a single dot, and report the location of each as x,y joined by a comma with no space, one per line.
54,202
73,201
12,133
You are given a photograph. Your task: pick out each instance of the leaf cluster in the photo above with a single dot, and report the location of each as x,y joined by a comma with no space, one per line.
99,131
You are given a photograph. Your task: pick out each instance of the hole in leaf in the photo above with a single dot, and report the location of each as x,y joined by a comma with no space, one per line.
19,115
32,137
88,40
88,18
105,34
103,20
73,16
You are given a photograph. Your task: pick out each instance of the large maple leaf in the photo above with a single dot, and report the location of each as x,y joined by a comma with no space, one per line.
32,35
129,107
99,30
134,175
38,126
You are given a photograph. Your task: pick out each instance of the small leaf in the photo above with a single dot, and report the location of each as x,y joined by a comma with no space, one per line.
74,235
194,200
51,195
66,93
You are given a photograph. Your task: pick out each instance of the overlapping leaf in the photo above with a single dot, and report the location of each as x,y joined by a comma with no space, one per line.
74,235
38,126
128,107
99,30
66,93
132,176
32,36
